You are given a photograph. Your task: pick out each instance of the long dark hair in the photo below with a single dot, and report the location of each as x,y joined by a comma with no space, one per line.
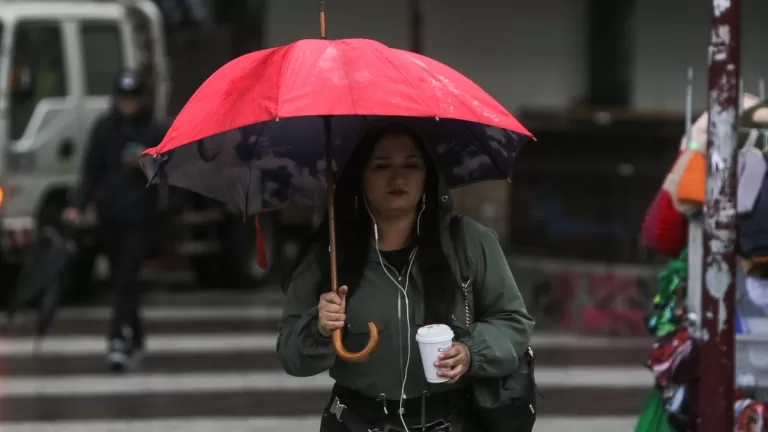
354,232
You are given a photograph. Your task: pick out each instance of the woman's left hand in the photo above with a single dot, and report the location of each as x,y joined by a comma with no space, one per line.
454,362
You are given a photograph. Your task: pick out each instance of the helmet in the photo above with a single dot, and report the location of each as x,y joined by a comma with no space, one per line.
128,83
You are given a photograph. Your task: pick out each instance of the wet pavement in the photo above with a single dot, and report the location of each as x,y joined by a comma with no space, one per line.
211,365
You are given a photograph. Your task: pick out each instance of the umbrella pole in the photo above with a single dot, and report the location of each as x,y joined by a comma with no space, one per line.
372,330
322,20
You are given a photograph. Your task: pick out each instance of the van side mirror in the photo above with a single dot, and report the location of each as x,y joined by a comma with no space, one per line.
22,83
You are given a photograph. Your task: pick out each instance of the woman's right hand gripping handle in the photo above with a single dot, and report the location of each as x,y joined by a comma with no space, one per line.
331,311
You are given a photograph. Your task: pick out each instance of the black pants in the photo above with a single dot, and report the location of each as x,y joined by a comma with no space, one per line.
450,406
126,245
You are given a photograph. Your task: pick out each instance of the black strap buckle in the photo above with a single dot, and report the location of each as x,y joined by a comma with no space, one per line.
350,420
337,408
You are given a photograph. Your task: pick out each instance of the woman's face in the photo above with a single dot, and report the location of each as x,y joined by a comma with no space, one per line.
393,179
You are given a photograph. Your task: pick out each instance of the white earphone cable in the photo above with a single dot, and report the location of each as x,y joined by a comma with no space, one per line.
404,291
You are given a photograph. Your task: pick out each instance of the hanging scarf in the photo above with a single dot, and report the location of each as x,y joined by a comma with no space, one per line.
667,315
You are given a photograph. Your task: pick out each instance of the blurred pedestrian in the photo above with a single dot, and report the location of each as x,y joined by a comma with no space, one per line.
112,179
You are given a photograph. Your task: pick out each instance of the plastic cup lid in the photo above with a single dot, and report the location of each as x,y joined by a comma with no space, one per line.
434,333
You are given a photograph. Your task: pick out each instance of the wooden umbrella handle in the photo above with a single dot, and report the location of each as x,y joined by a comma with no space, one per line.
372,330
345,355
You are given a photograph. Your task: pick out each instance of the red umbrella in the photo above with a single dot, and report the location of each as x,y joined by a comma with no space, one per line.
320,77
270,128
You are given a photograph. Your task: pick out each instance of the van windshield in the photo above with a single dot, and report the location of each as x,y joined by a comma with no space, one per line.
37,70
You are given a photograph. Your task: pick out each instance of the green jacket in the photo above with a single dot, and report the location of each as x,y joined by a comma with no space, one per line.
500,333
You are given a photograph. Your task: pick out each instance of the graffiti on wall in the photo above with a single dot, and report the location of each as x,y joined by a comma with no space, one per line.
584,298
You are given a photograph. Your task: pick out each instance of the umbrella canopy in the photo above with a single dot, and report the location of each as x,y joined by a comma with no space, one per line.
256,129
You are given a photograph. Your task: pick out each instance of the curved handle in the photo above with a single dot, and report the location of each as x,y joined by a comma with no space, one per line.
373,334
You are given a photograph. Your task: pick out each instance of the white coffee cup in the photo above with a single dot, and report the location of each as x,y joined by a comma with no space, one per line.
433,340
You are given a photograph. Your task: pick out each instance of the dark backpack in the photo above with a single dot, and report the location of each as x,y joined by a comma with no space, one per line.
505,404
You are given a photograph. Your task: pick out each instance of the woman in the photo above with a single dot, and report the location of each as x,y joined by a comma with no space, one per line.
397,268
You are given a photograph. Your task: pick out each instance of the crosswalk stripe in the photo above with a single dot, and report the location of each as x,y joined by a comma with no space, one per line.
164,343
159,344
299,424
253,360
170,313
583,402
277,380
265,295
85,327
169,363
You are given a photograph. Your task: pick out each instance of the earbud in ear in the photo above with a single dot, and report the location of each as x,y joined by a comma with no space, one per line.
423,200
376,231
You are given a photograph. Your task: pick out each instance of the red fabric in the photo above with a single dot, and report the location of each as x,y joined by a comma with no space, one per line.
648,230
261,251
671,358
315,77
750,416
671,227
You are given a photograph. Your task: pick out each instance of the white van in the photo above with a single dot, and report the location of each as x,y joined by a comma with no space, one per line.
58,60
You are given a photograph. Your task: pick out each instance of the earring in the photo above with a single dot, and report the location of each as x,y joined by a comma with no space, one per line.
355,202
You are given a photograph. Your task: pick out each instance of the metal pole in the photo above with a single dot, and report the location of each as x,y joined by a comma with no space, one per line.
416,20
716,388
695,227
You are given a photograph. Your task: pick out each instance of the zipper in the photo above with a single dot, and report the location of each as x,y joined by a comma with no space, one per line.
467,317
400,302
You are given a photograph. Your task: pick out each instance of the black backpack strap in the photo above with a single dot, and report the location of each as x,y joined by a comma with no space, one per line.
466,267
460,247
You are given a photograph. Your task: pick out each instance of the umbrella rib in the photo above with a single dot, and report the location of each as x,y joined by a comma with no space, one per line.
410,77
466,104
283,68
346,75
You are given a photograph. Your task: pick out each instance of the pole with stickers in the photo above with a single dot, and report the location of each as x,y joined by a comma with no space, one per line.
718,271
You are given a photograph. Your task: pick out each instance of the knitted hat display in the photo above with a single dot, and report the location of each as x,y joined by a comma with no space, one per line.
672,183
754,116
671,231
691,190
689,193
